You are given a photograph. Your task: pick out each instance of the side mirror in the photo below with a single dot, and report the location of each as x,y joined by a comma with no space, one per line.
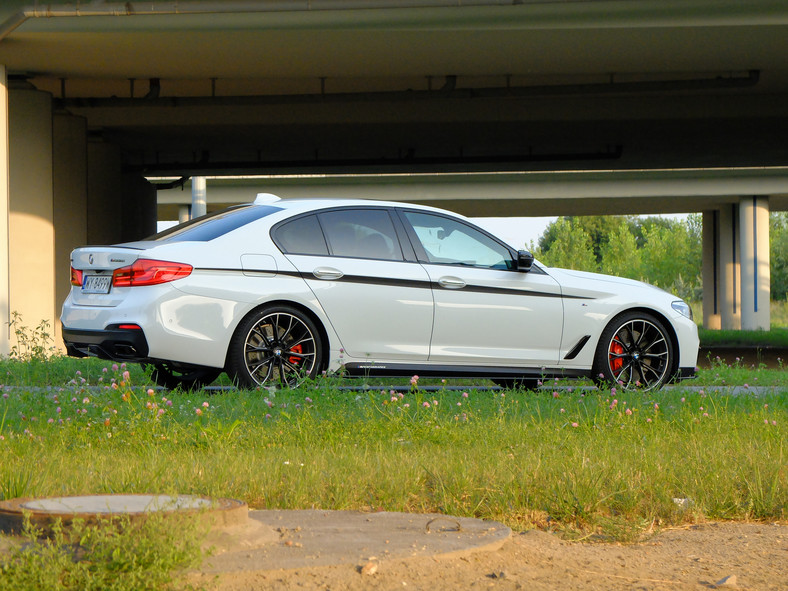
524,261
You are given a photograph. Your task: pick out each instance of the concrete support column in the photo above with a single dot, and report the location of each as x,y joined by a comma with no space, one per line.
105,190
70,175
755,276
31,224
5,256
711,269
729,271
199,197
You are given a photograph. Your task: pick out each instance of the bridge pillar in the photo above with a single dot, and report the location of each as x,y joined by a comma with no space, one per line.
736,280
755,276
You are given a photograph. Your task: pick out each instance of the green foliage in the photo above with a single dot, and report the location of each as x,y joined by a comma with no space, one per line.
778,254
620,255
571,249
118,554
663,252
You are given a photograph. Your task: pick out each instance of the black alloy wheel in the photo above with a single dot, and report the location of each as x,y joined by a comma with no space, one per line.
635,351
274,346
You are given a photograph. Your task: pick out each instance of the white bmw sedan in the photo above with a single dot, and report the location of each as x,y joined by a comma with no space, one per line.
277,291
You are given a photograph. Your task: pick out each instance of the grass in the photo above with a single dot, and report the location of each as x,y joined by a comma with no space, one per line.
590,463
776,337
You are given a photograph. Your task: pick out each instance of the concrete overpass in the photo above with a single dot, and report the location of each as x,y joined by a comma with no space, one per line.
488,107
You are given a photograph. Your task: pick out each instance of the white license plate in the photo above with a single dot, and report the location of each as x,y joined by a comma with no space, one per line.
97,284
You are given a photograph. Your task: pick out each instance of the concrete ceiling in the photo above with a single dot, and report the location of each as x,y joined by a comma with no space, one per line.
538,41
270,86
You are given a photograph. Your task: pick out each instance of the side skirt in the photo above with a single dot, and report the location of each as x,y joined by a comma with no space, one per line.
392,370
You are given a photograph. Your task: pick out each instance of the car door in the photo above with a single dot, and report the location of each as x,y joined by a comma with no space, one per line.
486,311
379,304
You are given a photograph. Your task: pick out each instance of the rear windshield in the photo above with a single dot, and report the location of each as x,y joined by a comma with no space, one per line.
213,225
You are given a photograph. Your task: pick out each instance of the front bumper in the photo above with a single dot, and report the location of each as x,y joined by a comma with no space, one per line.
113,343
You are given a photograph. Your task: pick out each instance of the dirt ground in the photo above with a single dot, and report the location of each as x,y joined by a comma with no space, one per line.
706,556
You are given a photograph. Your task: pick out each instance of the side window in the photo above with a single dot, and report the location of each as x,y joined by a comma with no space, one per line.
361,233
301,236
451,242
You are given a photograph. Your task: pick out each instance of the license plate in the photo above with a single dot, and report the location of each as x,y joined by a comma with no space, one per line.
97,284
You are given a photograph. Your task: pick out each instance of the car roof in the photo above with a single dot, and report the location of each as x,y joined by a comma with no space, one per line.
304,204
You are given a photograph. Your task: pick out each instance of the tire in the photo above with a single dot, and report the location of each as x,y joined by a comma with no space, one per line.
517,383
635,351
279,345
186,377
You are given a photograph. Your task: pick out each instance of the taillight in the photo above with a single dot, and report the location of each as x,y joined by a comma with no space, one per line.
76,277
149,272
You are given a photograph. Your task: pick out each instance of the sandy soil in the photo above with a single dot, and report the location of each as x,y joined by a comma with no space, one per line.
706,556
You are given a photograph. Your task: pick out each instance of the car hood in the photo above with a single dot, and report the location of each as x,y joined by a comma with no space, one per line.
571,279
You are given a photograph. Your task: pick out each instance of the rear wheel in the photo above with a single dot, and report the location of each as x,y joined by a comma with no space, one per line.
279,345
636,352
173,375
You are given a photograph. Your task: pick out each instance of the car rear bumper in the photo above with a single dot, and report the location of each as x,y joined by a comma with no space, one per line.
113,343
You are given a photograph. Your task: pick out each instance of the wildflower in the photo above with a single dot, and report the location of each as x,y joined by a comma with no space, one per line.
104,370
198,411
109,435
414,381
562,411
765,421
774,423
683,399
114,367
267,416
656,406
308,400
628,412
705,414
50,421
161,412
406,405
5,394
106,422
205,404
555,394
394,399
169,403
425,404
58,410
434,403
575,425
86,400
151,392
459,404
465,395
648,420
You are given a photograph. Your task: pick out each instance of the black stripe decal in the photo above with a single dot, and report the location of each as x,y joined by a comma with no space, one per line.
412,283
458,371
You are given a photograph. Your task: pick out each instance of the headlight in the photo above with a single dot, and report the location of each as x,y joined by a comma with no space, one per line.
682,308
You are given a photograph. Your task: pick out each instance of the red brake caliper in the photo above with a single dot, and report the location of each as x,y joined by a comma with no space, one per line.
297,349
616,363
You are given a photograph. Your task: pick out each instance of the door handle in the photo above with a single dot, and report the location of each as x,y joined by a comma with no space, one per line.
327,273
451,282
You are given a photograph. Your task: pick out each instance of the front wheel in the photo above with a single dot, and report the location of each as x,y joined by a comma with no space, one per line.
278,345
635,351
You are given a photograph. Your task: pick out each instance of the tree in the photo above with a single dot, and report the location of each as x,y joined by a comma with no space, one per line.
778,254
571,248
620,255
672,258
